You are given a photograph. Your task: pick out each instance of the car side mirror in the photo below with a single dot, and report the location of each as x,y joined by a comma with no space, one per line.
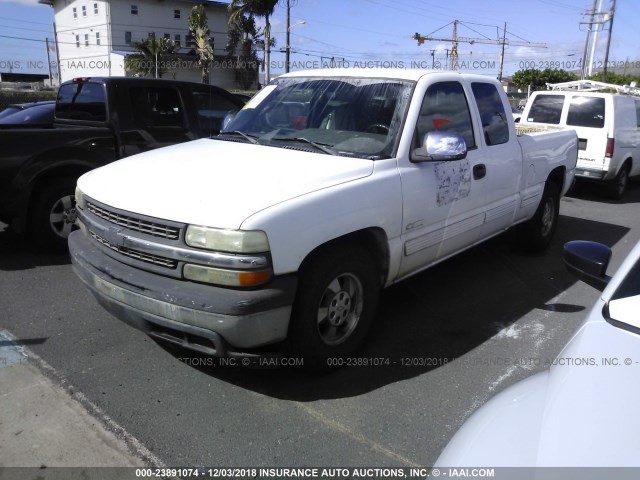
440,146
588,261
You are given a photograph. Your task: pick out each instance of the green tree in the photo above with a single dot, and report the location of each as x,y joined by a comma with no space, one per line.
538,79
257,8
615,78
151,57
199,29
243,38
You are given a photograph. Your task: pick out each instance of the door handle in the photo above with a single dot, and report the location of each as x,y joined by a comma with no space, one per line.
479,171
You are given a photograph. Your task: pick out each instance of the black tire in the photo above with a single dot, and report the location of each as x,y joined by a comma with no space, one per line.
53,214
334,308
535,234
618,186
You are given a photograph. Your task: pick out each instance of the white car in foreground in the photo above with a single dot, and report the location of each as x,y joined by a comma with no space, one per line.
584,410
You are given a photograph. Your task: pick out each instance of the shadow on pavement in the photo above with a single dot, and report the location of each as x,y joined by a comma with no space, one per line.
436,316
16,253
596,192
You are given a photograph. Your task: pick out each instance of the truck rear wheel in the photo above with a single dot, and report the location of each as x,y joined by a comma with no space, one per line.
334,307
618,185
53,215
535,234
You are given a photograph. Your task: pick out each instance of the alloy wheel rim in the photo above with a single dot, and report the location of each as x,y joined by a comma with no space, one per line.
63,216
340,309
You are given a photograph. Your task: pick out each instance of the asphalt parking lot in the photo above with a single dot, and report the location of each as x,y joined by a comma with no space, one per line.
453,336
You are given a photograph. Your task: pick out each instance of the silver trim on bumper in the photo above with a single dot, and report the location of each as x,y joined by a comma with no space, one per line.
247,331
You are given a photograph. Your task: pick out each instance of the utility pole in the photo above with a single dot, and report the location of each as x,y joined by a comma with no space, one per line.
447,57
606,56
583,72
595,41
55,39
504,41
433,59
49,62
288,45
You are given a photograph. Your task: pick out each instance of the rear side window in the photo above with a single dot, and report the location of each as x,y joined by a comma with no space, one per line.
586,112
157,107
81,101
494,118
546,109
445,108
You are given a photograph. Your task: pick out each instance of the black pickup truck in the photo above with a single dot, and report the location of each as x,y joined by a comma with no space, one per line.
97,121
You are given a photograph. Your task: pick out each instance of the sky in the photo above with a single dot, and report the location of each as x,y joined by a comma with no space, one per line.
369,33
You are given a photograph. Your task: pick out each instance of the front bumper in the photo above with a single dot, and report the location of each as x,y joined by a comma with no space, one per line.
213,320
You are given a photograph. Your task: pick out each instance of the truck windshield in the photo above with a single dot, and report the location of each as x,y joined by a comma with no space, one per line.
359,117
81,101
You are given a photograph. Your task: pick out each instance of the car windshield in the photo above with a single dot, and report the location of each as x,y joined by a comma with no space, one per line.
358,117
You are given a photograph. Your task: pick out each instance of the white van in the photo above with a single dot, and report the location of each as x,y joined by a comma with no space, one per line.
607,124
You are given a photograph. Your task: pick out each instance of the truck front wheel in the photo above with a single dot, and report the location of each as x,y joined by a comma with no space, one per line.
334,307
53,214
535,234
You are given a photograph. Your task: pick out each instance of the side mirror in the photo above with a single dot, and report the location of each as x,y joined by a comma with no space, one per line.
588,261
440,147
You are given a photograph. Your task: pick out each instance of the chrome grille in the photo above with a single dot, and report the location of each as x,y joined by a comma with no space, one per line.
137,224
136,254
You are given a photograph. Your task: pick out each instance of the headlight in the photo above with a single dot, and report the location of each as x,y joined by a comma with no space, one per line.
79,198
234,241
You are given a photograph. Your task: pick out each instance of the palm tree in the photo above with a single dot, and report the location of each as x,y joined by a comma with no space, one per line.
151,58
199,28
244,38
258,8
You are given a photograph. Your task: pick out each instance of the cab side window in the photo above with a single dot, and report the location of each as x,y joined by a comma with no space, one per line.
494,119
157,107
445,108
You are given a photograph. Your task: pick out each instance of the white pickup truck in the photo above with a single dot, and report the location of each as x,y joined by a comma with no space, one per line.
278,234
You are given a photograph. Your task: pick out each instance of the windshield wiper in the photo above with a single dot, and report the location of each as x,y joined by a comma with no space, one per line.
249,138
318,146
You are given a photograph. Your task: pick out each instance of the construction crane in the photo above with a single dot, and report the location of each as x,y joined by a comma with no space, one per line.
455,39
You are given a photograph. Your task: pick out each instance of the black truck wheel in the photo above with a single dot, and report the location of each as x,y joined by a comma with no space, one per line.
53,214
535,234
618,186
334,307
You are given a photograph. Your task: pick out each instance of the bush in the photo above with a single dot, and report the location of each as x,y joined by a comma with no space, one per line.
7,97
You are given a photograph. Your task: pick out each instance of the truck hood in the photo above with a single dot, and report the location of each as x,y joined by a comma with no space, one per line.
216,183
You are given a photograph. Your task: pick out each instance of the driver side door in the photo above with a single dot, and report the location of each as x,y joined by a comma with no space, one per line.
443,202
